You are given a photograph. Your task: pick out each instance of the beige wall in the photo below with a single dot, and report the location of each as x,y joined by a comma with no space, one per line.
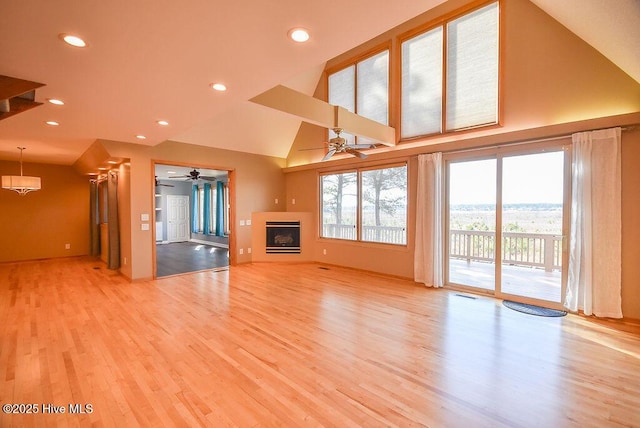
124,216
631,224
549,77
39,224
553,84
257,182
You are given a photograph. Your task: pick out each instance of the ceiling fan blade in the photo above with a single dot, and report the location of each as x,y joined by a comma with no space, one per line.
358,153
362,146
329,154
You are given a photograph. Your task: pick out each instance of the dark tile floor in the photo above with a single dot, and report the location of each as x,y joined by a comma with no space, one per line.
183,257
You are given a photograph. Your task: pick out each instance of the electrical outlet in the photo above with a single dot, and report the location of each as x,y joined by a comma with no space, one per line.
324,251
67,246
125,261
249,250
276,200
293,201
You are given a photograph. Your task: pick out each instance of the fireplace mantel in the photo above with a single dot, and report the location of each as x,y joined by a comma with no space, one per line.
258,242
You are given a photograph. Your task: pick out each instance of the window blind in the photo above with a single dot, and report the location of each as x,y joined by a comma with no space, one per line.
472,69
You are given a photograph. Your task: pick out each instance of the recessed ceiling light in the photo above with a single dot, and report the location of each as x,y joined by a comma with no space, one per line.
140,137
299,35
163,122
52,123
55,101
219,87
72,40
171,172
103,168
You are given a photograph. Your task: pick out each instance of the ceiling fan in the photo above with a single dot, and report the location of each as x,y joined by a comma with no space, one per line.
339,144
195,175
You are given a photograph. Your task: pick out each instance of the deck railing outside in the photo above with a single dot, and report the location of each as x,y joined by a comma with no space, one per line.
518,249
383,234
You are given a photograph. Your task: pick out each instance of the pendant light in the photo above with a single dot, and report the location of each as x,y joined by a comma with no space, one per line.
21,183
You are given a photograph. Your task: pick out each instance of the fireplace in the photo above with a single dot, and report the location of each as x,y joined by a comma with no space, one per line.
283,237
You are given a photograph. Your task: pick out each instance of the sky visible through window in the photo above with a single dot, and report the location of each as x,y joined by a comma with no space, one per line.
527,179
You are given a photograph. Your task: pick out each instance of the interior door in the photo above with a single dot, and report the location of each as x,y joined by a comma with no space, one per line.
177,218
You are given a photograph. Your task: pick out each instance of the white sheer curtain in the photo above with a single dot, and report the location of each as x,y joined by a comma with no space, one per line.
428,258
595,248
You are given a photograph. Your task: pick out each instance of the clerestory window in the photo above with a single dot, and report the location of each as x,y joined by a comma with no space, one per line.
363,88
450,75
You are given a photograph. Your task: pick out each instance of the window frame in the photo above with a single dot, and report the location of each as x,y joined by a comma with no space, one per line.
442,22
354,61
359,198
201,208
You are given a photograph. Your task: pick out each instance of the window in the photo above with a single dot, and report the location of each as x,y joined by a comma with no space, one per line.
213,209
366,205
467,86
339,205
422,84
384,205
201,210
362,88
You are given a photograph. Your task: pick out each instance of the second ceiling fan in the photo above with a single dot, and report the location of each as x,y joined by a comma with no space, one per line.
195,176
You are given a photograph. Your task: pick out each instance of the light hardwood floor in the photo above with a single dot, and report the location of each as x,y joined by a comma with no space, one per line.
298,345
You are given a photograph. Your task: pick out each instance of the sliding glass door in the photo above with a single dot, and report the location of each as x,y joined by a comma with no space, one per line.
506,218
532,225
472,223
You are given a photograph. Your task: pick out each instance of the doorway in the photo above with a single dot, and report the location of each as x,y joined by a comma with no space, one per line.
506,221
192,219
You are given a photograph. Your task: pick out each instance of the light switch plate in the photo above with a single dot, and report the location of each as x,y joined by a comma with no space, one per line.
144,217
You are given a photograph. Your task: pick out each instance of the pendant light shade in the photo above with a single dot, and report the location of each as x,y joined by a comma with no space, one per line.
22,184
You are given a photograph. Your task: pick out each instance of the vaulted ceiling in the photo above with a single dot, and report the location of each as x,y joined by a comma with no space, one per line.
149,61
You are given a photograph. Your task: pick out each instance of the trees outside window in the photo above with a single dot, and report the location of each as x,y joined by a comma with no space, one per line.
367,205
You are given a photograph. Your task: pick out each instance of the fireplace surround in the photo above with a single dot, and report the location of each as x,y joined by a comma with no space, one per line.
282,237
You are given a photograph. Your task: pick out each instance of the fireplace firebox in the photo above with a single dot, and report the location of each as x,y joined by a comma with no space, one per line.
283,237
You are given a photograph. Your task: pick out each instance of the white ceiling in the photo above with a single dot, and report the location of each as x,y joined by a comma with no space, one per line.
154,60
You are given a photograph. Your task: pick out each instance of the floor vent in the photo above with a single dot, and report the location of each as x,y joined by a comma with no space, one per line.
466,297
323,268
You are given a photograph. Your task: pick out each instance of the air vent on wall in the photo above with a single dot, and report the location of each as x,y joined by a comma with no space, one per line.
17,95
